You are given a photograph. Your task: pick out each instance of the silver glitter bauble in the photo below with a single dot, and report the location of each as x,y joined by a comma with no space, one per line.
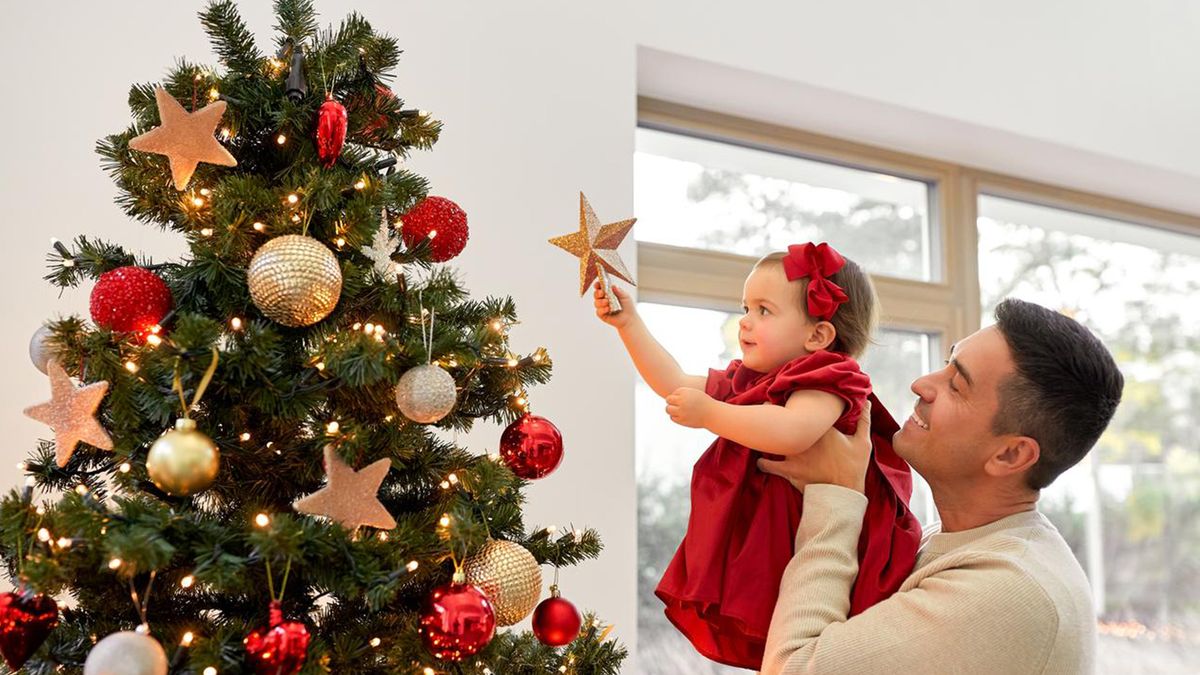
509,576
126,653
39,350
426,394
295,280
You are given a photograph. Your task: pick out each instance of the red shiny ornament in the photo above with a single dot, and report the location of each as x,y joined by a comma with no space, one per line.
25,621
532,447
457,621
442,217
130,299
331,131
279,648
556,622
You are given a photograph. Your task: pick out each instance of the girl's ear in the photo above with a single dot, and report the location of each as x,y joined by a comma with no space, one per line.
820,336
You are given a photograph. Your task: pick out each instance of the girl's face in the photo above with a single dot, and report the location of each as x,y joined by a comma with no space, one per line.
772,330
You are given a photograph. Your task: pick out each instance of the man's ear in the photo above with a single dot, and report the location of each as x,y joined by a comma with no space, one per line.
822,335
1017,456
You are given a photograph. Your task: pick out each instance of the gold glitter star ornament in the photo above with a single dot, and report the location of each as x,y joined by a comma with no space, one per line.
71,413
185,138
349,497
596,247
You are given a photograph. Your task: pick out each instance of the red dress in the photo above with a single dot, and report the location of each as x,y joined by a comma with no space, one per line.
722,583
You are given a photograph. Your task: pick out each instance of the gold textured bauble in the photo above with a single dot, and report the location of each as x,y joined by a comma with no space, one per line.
510,577
295,280
183,461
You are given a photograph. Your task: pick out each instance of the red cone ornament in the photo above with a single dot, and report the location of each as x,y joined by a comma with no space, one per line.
129,299
532,447
280,647
25,621
442,218
331,131
556,622
457,620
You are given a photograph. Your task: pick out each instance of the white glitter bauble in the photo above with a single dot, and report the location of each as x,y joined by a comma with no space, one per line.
509,576
295,280
39,350
126,653
426,394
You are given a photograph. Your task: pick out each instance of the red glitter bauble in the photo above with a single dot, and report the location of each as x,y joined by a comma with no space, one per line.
556,622
457,621
331,131
532,446
441,216
25,621
130,299
280,647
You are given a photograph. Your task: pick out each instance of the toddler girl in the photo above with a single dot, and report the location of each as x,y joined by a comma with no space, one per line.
807,314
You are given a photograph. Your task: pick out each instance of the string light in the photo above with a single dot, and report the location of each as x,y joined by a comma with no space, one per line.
262,520
293,198
375,642
40,510
197,201
131,366
360,184
445,520
206,232
332,427
187,581
43,535
432,234
63,542
259,226
235,323
340,242
225,133
213,94
295,217
383,536
205,191
115,563
245,436
319,365
153,340
281,139
453,478
412,565
429,671
210,671
187,639
81,490
125,467
512,363
497,325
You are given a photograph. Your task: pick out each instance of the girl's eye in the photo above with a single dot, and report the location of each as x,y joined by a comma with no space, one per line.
764,310
745,309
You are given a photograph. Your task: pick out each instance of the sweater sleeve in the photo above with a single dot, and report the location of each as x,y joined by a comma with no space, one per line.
969,618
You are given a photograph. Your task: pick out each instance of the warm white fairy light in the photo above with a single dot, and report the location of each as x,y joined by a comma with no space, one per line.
245,436
295,217
125,467
432,234
187,581
360,184
131,366
497,325
225,133
389,418
153,340
341,241
552,530
453,478
205,191
81,490
186,641
562,669
332,427
40,510
210,671
63,542
293,198
412,565
512,363
206,232
375,642
259,226
429,671
281,139
578,535
444,521
235,323
43,534
319,365
197,201
214,94
262,520
115,563
445,485
383,536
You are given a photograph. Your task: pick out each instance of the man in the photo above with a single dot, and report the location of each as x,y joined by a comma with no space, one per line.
995,588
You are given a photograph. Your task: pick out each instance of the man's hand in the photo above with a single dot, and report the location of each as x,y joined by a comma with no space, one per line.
689,407
835,459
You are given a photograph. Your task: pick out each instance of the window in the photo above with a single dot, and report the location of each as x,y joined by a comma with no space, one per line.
943,244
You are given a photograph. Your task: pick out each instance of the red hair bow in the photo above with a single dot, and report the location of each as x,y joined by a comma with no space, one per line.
817,262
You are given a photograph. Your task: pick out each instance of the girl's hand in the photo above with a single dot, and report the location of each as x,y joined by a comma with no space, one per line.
689,407
621,319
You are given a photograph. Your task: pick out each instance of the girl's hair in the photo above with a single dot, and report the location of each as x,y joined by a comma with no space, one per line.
855,319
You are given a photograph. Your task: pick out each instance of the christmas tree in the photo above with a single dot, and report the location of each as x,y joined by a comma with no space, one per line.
253,466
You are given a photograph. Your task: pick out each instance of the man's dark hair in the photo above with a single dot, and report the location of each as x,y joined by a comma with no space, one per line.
1065,389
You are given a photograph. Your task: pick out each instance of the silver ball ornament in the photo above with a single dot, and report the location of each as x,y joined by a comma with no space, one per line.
39,348
126,653
426,394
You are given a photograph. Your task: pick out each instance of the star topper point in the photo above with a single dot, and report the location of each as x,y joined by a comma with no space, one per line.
596,247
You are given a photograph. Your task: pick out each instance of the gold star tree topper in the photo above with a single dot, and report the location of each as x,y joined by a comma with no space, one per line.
596,247
185,138
349,497
71,413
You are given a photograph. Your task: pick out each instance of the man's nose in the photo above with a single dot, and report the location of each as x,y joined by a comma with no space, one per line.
923,387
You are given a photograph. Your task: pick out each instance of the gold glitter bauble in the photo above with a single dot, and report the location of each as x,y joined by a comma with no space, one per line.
183,461
295,280
426,394
510,577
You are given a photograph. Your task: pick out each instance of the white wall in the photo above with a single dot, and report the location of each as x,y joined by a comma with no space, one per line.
538,98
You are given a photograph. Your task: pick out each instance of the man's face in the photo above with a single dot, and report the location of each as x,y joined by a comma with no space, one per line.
949,436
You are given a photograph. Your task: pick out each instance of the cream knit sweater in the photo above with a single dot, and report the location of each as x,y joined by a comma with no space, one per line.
1008,597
